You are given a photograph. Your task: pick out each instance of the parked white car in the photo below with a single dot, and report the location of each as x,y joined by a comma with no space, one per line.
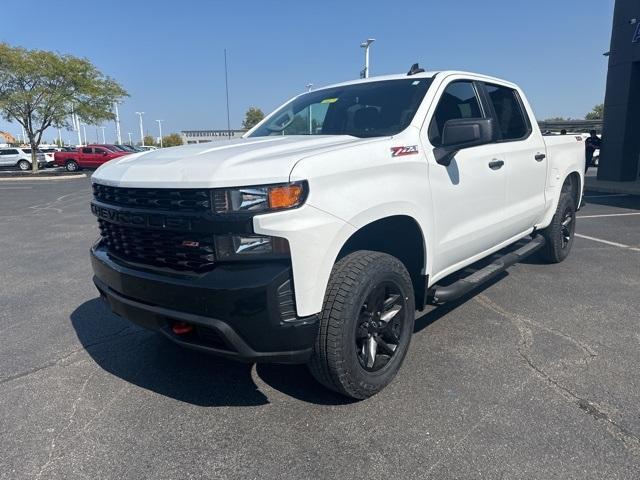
49,155
20,158
314,238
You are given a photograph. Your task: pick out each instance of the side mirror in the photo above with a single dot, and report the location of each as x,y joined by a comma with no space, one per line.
463,133
104,154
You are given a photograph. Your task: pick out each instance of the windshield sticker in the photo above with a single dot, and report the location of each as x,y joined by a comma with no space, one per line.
329,100
416,82
405,150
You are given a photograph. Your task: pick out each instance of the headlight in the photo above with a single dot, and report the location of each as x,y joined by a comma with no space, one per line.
238,247
259,199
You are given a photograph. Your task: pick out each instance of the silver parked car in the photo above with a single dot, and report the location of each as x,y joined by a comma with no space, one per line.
20,157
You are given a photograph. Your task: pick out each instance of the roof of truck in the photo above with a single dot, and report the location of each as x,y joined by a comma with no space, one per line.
430,74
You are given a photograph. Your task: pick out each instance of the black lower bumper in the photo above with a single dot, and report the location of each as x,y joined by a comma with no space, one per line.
238,311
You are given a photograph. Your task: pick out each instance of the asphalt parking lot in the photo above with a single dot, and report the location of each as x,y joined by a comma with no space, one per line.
535,376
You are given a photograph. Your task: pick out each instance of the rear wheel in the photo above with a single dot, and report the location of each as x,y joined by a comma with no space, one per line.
365,325
559,234
24,165
71,166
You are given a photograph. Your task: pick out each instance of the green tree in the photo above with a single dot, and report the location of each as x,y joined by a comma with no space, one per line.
252,117
40,89
149,141
557,119
171,140
597,113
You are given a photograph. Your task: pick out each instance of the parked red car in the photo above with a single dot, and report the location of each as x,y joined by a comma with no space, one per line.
90,156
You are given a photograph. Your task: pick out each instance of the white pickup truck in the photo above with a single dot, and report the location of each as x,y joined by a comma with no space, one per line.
315,237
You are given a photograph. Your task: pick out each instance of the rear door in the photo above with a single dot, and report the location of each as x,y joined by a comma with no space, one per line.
8,157
87,158
525,159
469,194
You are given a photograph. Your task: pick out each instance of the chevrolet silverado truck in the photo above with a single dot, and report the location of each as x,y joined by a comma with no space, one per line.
315,237
89,156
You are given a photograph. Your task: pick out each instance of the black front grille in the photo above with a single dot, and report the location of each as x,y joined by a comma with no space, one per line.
160,248
178,200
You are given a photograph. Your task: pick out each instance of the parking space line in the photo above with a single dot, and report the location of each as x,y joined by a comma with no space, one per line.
609,215
607,242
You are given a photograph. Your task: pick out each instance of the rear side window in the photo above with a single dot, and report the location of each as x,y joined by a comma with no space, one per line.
510,116
459,100
87,150
9,152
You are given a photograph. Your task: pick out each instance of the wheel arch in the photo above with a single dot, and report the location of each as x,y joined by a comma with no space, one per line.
573,184
399,236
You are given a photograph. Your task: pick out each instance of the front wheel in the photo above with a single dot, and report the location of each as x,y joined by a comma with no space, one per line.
71,166
365,325
559,234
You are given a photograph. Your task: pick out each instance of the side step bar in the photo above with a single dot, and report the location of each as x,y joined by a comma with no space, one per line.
441,294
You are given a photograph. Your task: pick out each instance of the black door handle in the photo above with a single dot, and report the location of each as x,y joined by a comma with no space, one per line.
496,164
540,156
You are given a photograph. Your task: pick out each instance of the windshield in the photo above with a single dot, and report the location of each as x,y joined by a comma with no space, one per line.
372,109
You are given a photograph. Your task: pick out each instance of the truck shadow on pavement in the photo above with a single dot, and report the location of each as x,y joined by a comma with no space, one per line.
152,362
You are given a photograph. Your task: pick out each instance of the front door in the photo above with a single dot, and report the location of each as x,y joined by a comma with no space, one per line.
469,194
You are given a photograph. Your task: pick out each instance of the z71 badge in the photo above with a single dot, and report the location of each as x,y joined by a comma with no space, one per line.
402,151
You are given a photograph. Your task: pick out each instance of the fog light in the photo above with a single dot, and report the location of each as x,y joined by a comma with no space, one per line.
231,247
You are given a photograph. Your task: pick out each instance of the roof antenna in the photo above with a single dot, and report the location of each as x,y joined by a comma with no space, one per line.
415,68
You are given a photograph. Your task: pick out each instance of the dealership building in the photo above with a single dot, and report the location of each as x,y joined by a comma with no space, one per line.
205,136
620,156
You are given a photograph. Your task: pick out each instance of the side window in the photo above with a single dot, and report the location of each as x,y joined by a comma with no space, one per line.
459,100
100,151
87,150
511,119
11,152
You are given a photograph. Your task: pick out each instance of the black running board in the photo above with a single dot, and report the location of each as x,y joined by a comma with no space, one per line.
441,294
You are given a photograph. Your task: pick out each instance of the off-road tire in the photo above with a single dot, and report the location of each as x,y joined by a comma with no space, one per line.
334,361
559,237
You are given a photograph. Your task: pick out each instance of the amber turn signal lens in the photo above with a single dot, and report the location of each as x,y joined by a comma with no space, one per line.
285,197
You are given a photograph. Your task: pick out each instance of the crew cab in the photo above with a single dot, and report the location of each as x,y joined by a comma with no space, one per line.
89,156
315,237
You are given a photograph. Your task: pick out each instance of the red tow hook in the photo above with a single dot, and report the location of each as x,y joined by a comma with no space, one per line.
181,328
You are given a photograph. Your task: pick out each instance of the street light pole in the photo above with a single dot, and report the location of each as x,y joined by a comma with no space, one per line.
160,128
130,141
118,135
103,138
140,114
366,44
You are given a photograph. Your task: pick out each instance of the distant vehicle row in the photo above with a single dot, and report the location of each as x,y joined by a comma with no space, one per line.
90,156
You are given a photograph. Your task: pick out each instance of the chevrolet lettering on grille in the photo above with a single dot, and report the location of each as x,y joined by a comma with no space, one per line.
140,219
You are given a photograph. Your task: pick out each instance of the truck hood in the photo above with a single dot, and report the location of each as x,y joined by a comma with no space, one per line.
246,161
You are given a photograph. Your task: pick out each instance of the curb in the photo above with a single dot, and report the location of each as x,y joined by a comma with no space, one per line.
30,177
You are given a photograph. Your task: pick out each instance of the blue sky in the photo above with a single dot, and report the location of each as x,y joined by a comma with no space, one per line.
169,55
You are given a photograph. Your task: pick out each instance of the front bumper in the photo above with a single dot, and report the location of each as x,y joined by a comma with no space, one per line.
236,310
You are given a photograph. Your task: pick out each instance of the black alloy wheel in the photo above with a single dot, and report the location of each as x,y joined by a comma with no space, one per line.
379,327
